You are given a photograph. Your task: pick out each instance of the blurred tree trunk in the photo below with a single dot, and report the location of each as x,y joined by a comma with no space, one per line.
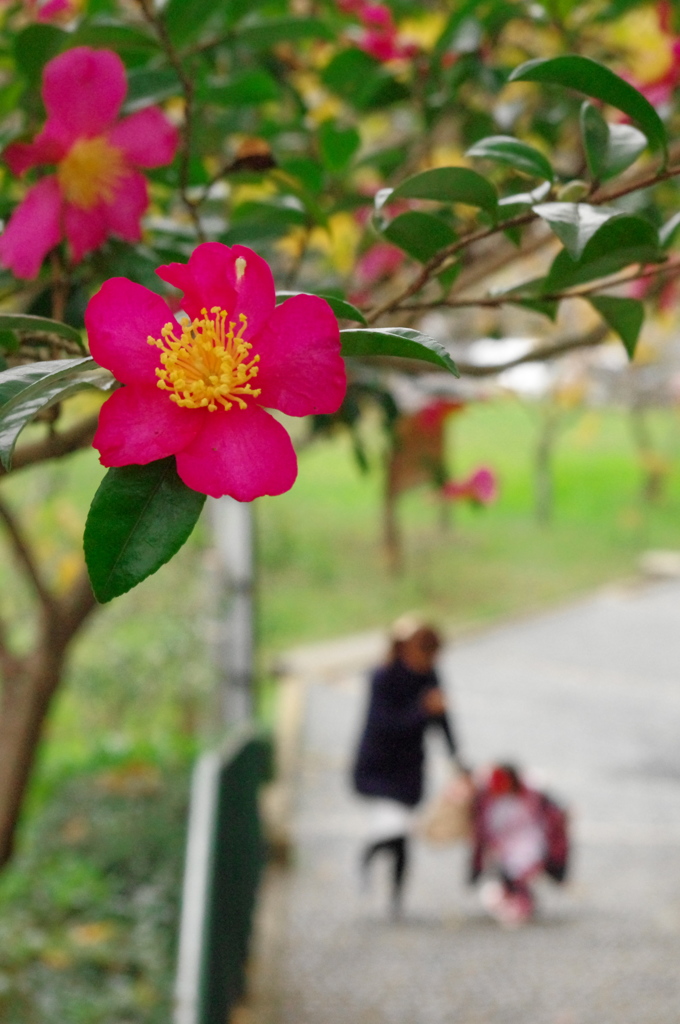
30,680
29,683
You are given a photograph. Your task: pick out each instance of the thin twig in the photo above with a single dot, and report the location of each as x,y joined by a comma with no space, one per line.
541,354
24,556
434,265
494,302
157,23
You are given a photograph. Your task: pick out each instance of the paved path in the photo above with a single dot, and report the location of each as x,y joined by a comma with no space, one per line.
587,696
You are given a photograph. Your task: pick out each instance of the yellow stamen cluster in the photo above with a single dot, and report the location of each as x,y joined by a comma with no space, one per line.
208,367
90,172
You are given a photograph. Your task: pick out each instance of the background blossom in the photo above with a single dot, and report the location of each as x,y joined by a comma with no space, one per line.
97,189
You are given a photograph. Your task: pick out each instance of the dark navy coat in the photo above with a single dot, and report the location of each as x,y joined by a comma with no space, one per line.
389,761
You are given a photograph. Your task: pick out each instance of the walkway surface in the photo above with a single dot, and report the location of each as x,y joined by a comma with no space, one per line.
588,698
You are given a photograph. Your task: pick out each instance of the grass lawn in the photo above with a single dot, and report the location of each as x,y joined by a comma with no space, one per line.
323,566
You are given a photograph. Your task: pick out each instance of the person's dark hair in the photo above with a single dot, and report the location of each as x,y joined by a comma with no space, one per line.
408,628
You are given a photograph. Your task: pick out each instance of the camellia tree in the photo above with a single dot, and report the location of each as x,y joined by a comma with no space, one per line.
216,209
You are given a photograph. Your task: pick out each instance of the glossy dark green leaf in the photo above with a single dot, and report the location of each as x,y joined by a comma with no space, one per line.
598,82
282,30
620,242
575,223
38,324
624,316
396,341
139,518
34,46
337,145
445,185
609,149
25,390
343,310
519,155
419,234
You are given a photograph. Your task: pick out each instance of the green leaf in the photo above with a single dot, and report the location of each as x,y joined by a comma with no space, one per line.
246,89
9,341
342,309
362,81
184,20
669,231
598,82
35,46
42,324
337,145
546,307
25,390
609,149
419,234
625,316
516,154
396,341
253,220
148,86
109,33
445,185
575,223
620,242
139,518
282,30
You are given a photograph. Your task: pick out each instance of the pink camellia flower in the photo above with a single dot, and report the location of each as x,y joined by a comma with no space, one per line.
197,388
480,488
97,189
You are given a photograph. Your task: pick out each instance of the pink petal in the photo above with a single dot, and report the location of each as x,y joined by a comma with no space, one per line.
83,90
244,453
147,138
301,369
54,9
34,228
139,424
129,204
20,156
210,279
85,230
119,319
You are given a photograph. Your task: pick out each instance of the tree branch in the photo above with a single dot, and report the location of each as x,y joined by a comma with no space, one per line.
435,264
541,354
54,446
24,557
158,25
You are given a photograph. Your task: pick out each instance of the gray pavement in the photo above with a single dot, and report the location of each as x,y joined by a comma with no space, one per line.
587,698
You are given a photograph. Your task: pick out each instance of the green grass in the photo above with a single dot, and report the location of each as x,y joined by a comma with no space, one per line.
323,570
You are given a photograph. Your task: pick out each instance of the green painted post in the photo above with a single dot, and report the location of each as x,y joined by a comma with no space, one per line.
225,857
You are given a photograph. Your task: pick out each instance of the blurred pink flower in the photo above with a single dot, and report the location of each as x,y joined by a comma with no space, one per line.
430,418
198,389
379,36
481,488
375,265
97,189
